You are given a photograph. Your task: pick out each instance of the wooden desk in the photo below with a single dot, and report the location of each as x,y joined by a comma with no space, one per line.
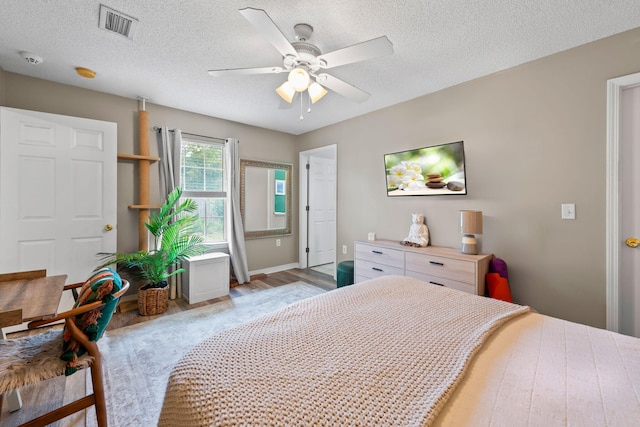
37,298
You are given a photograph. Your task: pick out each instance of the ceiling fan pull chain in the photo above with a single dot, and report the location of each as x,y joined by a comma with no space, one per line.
309,99
301,117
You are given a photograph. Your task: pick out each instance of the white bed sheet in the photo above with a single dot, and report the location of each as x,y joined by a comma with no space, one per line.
541,371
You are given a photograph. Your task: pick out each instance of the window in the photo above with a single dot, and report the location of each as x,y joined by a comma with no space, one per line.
202,178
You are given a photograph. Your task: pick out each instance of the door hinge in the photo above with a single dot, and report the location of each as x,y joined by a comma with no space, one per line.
308,166
306,250
307,208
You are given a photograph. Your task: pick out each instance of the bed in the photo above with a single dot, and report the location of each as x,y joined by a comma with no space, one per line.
398,351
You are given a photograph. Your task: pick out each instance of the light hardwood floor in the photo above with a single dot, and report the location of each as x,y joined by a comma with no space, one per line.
54,393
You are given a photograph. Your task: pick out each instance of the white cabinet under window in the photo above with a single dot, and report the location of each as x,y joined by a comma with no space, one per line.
206,277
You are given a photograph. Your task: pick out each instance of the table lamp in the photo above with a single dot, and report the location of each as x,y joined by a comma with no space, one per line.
470,224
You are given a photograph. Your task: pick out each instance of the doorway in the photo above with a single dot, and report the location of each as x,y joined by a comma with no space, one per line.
623,205
318,201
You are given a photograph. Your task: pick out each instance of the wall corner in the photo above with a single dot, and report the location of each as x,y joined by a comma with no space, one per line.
2,76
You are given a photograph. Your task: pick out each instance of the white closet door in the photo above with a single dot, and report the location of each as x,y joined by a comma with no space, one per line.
57,192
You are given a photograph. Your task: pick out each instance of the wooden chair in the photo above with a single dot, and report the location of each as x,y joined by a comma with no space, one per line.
14,318
48,364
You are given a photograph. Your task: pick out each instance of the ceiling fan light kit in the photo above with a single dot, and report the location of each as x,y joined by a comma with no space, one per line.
298,81
302,60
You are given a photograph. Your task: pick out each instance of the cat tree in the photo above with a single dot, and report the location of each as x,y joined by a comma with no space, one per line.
144,162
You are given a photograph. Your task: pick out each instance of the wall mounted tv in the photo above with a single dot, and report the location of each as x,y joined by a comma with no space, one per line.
429,171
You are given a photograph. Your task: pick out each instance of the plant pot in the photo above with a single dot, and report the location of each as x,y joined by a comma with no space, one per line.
153,300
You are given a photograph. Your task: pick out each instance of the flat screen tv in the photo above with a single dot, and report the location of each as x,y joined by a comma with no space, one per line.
429,171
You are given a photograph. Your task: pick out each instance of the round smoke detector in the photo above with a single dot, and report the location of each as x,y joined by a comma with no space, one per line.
31,58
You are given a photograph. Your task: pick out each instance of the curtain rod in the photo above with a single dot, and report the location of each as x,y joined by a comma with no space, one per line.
157,129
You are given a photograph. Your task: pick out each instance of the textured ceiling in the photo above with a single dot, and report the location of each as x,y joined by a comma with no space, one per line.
437,43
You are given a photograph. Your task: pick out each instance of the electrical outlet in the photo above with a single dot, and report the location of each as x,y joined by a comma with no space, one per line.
344,249
277,242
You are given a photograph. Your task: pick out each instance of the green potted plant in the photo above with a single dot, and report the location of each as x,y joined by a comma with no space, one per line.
175,241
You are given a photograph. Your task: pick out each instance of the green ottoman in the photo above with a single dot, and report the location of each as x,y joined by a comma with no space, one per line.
344,274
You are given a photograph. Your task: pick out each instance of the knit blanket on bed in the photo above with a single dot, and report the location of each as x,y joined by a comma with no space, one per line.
385,352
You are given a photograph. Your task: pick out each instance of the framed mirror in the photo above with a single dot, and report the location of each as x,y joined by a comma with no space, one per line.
265,198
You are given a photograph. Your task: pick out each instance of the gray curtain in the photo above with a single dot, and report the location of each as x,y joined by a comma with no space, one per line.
237,250
169,152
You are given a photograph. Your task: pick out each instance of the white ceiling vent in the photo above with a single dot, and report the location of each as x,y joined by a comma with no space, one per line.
117,22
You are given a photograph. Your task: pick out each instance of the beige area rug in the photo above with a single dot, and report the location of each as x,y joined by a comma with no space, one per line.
138,358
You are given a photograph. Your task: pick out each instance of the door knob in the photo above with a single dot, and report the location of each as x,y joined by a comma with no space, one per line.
632,242
108,227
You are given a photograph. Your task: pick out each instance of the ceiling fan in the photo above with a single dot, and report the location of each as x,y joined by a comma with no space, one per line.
304,61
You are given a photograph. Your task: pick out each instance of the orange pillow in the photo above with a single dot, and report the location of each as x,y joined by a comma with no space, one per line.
498,287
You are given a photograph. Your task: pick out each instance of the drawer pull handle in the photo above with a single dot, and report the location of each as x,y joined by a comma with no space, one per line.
376,269
436,283
440,264
377,252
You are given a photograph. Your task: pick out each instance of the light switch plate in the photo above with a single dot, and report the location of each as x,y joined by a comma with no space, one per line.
568,211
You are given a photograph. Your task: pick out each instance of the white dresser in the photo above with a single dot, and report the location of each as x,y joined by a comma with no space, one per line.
433,264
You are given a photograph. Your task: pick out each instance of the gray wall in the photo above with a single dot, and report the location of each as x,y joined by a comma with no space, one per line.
255,143
534,139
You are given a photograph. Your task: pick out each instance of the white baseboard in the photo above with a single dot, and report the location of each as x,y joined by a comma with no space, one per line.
275,269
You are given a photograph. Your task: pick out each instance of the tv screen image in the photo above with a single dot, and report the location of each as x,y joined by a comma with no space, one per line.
429,171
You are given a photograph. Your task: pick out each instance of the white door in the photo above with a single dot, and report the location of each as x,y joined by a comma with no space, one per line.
57,192
322,210
630,211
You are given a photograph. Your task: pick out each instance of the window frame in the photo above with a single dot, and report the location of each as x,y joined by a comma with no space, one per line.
224,194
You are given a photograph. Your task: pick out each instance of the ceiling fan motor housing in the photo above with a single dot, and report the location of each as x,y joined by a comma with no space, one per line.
307,57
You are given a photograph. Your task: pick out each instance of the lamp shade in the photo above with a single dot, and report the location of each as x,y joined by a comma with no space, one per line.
286,91
299,79
316,92
471,222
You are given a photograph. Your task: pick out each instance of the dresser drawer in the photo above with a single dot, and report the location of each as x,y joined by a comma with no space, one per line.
436,266
371,270
379,255
441,281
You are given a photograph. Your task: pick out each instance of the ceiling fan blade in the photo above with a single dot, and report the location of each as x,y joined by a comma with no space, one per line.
373,48
341,87
269,30
246,71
